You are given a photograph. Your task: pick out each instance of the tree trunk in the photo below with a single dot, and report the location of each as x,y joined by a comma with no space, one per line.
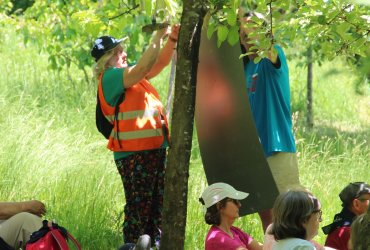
182,122
309,88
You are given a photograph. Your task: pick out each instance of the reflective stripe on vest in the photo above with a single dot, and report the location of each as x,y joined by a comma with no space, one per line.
137,134
134,115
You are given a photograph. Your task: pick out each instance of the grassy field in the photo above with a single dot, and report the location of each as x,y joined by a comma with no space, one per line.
51,151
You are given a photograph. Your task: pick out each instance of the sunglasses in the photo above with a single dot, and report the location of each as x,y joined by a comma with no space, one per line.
363,199
236,202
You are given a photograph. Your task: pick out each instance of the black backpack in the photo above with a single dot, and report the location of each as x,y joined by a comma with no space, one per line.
102,124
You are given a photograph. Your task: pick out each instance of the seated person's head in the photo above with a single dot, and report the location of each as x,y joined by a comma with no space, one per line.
355,197
360,231
219,197
296,214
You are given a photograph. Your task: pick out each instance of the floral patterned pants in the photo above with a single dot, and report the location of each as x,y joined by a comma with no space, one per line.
142,175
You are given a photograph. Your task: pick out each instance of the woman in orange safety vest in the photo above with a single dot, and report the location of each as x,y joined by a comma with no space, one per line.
139,137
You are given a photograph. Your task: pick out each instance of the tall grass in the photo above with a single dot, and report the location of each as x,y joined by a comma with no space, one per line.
51,151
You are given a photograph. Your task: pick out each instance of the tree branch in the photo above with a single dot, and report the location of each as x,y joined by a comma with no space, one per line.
126,12
346,45
340,12
271,33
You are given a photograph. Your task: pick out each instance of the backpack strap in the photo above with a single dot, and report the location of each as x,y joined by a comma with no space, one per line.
116,111
57,235
74,241
60,234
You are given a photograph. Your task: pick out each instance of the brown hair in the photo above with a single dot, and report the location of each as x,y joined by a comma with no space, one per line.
290,211
212,216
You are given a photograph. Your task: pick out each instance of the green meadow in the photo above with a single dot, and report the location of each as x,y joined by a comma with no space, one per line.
51,151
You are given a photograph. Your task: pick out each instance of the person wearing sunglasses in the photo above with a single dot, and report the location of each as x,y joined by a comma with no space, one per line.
221,203
296,218
269,240
355,201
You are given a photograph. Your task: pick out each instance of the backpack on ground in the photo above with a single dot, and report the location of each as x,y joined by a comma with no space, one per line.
102,124
52,237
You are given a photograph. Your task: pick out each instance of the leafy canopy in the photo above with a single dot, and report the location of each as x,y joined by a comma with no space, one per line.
67,29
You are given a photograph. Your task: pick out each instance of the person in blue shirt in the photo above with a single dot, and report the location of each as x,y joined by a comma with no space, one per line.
269,97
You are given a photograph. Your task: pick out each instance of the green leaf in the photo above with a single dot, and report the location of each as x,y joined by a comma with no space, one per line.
148,7
246,54
222,33
321,19
211,28
233,36
257,59
172,7
231,17
364,2
219,43
342,28
236,4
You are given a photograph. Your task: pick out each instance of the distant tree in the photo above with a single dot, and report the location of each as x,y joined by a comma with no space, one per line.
309,119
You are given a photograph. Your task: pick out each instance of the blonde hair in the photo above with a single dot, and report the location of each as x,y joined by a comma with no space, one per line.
101,65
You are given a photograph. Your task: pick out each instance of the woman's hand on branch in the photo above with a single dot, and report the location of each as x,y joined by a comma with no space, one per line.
174,34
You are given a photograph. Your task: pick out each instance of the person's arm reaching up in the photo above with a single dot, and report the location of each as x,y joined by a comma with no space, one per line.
166,52
133,75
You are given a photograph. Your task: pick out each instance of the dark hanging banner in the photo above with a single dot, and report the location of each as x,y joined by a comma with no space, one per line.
228,140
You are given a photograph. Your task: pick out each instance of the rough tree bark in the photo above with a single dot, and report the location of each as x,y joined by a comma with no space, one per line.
309,88
177,171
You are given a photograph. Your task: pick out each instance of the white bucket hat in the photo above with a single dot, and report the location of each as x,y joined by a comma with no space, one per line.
219,191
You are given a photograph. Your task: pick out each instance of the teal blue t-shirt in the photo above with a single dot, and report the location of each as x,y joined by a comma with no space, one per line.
112,84
269,97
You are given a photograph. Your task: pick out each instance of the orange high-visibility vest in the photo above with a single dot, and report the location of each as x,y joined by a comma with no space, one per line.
140,124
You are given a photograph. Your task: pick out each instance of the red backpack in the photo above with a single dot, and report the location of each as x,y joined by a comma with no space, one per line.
51,238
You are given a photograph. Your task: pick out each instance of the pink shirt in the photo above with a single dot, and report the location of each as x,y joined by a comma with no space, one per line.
217,239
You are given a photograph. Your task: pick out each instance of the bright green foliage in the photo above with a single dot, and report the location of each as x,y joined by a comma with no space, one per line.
332,27
5,6
67,29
